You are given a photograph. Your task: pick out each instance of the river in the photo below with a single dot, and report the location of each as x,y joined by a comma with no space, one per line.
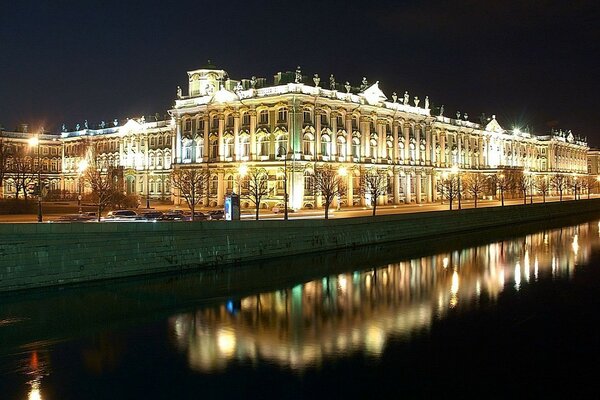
494,314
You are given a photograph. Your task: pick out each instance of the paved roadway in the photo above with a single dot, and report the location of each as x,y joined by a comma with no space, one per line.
345,212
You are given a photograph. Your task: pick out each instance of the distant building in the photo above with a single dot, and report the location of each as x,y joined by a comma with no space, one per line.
593,162
19,162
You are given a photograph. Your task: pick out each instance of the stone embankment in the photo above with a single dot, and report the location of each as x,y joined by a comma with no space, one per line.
39,255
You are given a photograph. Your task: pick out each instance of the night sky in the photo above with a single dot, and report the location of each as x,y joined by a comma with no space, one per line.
532,63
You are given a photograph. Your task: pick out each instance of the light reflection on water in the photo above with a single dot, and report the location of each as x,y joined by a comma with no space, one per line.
302,326
360,311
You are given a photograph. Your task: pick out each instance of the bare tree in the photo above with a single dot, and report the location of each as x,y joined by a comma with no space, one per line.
578,183
543,186
373,183
192,185
22,171
102,185
559,182
330,185
475,184
522,184
257,180
4,153
448,187
587,183
504,184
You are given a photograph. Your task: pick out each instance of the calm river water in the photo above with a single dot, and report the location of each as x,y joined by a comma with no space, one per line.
488,315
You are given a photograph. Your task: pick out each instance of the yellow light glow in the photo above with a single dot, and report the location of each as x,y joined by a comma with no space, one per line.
83,164
243,170
34,393
33,141
342,171
575,244
454,169
226,342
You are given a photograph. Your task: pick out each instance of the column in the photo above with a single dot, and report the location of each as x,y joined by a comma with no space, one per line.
333,123
407,194
406,128
381,139
176,146
429,188
366,136
418,143
396,185
428,145
237,149
349,138
418,188
220,137
252,114
350,189
395,154
221,188
317,150
206,133
442,149
433,187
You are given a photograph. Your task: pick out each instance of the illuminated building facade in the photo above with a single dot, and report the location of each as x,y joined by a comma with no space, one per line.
20,161
142,150
293,128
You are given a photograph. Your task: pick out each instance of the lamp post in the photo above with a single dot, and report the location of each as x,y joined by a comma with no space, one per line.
83,164
456,170
35,142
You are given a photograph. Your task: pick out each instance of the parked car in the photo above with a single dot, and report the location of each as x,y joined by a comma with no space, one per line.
121,215
150,216
83,217
199,216
173,215
216,214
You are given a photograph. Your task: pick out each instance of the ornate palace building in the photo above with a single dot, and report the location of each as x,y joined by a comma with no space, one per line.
295,127
292,128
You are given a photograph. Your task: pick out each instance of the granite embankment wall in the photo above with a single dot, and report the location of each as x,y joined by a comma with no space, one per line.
38,255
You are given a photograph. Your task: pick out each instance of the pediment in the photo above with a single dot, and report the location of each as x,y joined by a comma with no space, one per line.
374,95
494,126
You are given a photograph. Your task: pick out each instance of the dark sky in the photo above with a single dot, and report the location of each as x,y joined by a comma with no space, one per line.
532,63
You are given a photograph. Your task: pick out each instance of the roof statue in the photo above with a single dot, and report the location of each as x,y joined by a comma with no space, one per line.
466,116
406,98
253,82
298,77
417,101
427,102
394,97
316,80
115,122
77,127
85,124
442,111
331,82
239,87
364,84
64,128
179,92
102,125
458,115
347,87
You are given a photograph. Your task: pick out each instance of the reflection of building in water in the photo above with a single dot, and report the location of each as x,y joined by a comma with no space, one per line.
299,327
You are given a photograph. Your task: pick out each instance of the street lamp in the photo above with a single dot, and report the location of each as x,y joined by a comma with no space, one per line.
34,141
456,170
83,164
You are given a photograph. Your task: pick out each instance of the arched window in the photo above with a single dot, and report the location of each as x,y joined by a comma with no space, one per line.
245,145
373,148
308,144
229,184
263,146
263,117
325,146
282,115
187,151
214,147
356,148
308,183
307,117
214,184
341,146
389,150
281,145
229,147
199,149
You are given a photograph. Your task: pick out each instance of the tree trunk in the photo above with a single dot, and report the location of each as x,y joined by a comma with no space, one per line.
374,207
544,197
99,211
475,201
257,208
326,210
502,197
193,208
